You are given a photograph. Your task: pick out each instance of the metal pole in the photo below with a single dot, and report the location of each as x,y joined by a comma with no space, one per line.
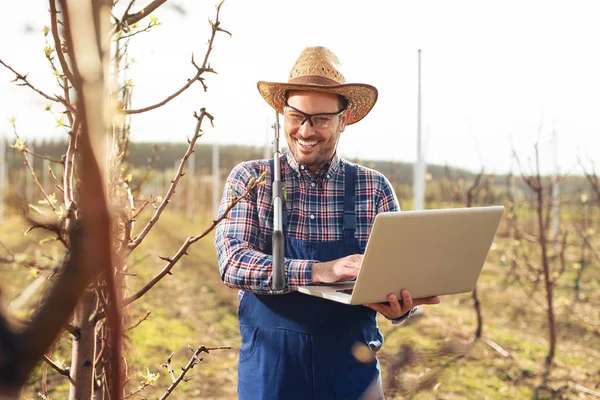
419,167
278,199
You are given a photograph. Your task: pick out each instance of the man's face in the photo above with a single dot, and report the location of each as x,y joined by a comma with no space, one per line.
313,146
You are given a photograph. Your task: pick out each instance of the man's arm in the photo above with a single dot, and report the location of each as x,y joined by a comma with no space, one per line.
241,263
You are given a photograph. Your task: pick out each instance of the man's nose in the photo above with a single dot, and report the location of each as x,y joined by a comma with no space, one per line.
305,129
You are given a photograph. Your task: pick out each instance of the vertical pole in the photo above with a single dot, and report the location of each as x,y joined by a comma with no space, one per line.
419,166
215,181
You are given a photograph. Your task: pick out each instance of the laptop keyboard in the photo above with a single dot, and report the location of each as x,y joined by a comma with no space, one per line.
347,291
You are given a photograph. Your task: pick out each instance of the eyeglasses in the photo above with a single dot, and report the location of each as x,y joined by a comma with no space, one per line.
297,118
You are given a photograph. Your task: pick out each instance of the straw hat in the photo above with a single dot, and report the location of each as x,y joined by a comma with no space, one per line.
318,69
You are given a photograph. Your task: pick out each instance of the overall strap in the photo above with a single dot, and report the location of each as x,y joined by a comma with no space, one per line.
283,208
349,201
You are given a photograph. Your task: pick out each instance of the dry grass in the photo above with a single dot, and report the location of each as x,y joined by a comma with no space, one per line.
193,307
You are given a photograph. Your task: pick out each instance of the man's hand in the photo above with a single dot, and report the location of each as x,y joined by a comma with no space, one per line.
340,270
395,309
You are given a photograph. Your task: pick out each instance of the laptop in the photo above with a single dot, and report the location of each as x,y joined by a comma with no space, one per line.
429,253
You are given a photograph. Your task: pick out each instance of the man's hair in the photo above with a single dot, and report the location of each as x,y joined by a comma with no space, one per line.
342,101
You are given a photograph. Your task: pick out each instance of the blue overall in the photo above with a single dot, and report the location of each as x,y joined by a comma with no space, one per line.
296,346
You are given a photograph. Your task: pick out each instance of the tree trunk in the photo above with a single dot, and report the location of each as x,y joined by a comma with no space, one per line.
82,355
547,278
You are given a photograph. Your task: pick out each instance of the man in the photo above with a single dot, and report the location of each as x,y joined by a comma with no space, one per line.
296,346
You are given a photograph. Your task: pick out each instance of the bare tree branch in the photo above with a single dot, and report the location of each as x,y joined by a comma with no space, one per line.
49,227
191,240
35,179
62,371
197,133
593,179
58,44
199,70
23,78
130,19
142,319
69,171
56,183
183,249
193,361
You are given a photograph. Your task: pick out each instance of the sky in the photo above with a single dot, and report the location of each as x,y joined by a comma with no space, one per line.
496,76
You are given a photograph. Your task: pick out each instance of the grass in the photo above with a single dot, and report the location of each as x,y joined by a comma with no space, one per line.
193,307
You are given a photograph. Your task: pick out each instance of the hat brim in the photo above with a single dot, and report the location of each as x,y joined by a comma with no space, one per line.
361,97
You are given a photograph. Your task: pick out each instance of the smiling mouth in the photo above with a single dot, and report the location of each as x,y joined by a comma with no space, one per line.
307,143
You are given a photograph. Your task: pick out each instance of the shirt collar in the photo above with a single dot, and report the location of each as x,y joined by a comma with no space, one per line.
327,170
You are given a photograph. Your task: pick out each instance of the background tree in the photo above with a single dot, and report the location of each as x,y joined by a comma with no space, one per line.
550,266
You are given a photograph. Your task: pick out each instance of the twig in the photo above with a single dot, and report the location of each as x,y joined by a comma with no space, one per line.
593,179
37,182
170,368
62,371
56,183
45,367
586,390
50,227
101,352
73,330
42,157
146,29
57,43
69,170
142,319
199,70
496,347
193,361
134,216
23,78
183,249
126,13
136,391
130,19
197,133
190,240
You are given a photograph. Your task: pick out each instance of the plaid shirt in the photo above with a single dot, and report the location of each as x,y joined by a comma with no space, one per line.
315,206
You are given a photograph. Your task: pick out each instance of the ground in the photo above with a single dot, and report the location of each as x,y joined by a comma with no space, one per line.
192,307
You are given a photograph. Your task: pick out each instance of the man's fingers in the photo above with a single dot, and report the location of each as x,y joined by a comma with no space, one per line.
427,300
407,301
395,305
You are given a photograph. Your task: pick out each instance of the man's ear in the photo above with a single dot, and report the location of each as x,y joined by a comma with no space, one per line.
345,119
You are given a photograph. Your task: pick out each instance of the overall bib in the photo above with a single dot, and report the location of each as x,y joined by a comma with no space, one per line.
296,346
